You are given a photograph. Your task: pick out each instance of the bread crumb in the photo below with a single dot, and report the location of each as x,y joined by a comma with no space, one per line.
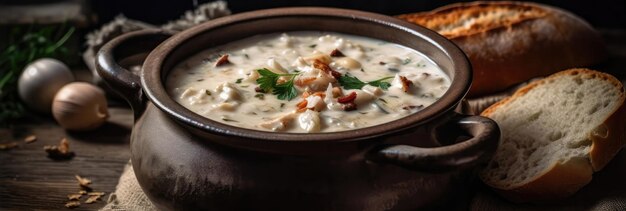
74,196
59,152
83,182
92,199
6,146
30,139
72,204
96,193
82,192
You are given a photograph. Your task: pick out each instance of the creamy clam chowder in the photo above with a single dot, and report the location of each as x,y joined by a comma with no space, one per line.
307,82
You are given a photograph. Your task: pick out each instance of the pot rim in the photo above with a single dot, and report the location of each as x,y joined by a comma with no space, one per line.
154,87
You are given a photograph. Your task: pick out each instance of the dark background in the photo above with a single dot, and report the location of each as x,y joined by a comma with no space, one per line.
600,13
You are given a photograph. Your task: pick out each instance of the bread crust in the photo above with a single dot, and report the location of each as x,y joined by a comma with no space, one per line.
512,51
557,182
564,179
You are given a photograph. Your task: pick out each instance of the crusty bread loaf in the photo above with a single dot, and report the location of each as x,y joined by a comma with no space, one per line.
511,42
555,133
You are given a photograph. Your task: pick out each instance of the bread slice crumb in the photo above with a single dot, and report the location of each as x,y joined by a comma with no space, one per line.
555,134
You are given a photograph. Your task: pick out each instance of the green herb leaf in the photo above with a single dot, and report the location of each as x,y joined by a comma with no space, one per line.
239,80
268,81
351,82
286,91
406,61
313,46
260,96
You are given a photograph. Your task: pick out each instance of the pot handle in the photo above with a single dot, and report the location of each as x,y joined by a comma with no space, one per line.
138,45
483,133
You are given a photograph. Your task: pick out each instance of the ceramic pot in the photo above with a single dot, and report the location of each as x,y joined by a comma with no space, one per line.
185,161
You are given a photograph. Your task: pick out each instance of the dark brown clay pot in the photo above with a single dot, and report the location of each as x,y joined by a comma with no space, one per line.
185,161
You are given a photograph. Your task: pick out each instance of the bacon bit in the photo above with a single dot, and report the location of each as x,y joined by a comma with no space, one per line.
406,83
382,63
304,81
301,104
348,102
259,89
347,99
326,69
222,60
336,53
337,92
335,74
351,106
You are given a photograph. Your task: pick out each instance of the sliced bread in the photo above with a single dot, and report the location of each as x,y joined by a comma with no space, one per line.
555,133
511,42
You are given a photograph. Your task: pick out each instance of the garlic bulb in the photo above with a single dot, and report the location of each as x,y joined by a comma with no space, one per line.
80,106
40,81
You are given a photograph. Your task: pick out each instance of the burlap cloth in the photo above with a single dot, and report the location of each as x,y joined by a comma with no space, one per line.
607,191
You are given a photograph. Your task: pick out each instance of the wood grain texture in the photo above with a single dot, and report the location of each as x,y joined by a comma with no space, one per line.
31,180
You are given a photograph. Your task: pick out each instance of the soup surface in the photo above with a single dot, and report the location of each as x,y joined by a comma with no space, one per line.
307,82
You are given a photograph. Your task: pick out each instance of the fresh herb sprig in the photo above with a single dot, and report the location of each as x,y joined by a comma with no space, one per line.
351,82
269,82
25,46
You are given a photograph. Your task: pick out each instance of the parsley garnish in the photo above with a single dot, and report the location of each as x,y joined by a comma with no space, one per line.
284,91
239,80
351,82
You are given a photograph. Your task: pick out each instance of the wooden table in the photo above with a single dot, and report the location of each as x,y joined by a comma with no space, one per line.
31,180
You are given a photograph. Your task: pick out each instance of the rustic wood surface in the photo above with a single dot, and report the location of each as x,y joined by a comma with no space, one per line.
29,180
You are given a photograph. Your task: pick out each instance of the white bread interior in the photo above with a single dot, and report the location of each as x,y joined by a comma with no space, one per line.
555,133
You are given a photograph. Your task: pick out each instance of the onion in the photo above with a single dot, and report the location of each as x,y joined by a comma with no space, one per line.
80,106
